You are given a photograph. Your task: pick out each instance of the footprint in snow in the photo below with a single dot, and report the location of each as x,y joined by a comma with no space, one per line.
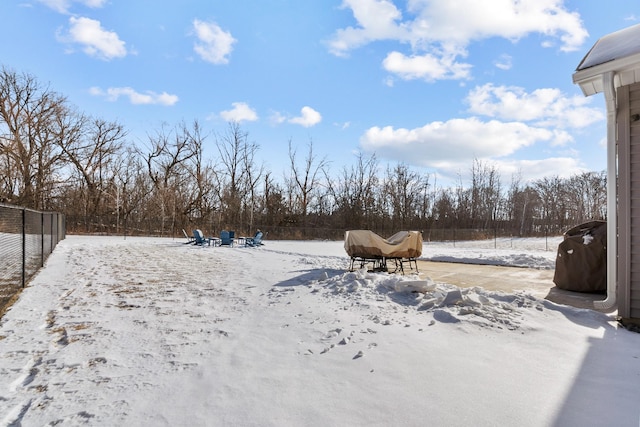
326,349
334,333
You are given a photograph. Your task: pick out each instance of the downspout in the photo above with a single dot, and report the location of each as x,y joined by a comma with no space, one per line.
612,204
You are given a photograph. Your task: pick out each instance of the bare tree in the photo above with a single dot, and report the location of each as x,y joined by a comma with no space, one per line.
133,188
253,175
586,193
273,208
404,189
166,163
33,125
198,196
240,174
444,209
486,194
305,178
521,205
553,215
355,193
93,155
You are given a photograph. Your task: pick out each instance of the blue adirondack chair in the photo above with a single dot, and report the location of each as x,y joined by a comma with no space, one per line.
190,239
255,240
200,239
225,238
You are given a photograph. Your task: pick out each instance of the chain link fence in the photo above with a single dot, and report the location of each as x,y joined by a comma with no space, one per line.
27,237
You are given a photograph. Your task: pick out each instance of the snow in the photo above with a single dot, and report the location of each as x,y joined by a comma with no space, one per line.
537,253
149,331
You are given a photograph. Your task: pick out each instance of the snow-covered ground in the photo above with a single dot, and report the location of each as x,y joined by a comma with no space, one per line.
152,332
527,252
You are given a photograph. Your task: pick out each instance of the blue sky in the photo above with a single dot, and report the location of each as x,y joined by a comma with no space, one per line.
431,83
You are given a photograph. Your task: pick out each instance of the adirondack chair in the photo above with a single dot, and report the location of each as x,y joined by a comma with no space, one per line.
190,239
200,239
256,240
225,238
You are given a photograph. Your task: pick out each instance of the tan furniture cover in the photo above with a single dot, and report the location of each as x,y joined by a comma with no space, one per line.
367,244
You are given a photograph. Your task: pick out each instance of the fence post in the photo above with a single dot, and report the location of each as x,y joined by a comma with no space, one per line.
546,239
41,239
24,246
51,216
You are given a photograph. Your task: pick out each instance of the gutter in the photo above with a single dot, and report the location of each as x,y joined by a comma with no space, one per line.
612,206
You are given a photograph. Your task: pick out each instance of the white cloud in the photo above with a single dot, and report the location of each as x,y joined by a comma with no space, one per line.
136,98
308,118
439,31
544,107
450,147
516,119
603,142
214,45
377,21
96,41
532,170
93,3
528,170
461,139
504,62
277,118
428,67
463,21
241,112
63,6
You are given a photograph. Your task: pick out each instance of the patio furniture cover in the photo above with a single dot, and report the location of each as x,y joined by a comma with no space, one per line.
581,262
367,244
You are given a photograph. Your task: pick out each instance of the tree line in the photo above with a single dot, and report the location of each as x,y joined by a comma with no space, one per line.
54,157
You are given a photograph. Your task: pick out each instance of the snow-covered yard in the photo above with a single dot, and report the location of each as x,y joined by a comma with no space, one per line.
153,332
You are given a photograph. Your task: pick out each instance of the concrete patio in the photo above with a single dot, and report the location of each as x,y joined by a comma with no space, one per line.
506,279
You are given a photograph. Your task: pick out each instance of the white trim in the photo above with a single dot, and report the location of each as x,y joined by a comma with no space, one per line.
612,205
626,71
617,65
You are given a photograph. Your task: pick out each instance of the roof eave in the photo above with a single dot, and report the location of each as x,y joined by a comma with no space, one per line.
590,79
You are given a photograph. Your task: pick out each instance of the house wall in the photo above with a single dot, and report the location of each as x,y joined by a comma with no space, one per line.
628,125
